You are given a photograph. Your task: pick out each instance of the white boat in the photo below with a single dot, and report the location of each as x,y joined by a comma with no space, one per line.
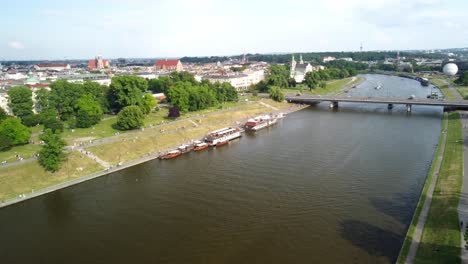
259,122
222,135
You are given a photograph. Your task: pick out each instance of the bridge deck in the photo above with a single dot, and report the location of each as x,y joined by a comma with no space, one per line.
375,100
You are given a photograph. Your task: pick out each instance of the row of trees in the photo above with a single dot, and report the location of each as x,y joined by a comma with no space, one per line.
187,94
463,79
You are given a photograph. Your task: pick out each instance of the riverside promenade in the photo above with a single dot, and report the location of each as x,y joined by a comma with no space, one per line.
107,170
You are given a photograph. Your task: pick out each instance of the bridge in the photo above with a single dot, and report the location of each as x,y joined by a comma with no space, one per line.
448,105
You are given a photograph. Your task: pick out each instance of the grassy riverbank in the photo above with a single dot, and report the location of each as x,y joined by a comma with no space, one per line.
333,87
440,242
162,133
409,235
444,88
25,178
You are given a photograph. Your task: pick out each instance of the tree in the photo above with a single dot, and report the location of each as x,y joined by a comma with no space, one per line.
310,80
5,143
20,101
3,115
463,79
130,117
148,103
126,90
179,95
99,93
276,94
174,112
30,120
15,131
51,154
88,112
42,99
63,97
49,118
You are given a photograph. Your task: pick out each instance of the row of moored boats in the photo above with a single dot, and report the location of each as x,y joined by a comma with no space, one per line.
221,137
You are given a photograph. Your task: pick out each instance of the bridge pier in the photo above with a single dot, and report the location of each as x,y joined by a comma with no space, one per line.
333,104
390,106
408,108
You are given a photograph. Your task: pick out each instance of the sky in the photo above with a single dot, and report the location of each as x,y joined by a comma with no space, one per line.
52,29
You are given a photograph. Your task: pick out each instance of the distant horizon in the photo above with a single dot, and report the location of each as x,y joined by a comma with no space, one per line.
231,55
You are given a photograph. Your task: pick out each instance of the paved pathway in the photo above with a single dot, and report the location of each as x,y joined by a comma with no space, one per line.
463,204
269,106
191,121
427,204
103,163
453,90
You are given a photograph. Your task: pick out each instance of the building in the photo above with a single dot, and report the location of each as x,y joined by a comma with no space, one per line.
52,67
240,81
328,58
168,65
98,64
4,102
299,70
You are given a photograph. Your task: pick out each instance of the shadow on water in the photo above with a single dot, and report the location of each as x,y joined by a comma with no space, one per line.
397,207
374,240
58,208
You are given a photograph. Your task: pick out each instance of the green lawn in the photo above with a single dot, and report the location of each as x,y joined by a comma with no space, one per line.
440,241
409,235
333,87
24,178
25,151
444,88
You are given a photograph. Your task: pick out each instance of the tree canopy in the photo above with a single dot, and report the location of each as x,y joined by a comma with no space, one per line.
20,101
126,90
12,129
88,111
276,94
130,117
51,154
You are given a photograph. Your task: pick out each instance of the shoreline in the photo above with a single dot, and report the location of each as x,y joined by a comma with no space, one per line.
24,197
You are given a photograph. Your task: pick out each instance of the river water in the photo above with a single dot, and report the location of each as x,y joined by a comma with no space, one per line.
321,186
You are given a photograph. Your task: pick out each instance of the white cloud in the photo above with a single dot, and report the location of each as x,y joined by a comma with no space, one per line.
16,45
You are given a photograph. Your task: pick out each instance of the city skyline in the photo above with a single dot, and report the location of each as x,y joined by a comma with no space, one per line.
147,29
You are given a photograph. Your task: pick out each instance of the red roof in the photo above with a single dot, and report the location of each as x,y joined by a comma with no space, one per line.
92,64
167,63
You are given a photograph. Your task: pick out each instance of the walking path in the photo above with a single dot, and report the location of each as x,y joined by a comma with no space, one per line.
269,106
463,204
427,203
103,163
454,91
191,121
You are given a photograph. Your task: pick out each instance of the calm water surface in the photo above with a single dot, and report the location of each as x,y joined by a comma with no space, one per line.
319,187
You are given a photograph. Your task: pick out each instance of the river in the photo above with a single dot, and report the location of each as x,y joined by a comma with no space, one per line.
321,186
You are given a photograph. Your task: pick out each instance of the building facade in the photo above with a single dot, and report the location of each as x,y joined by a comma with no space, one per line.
98,64
52,67
299,70
168,65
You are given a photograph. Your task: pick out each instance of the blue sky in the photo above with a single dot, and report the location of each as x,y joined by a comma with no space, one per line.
49,29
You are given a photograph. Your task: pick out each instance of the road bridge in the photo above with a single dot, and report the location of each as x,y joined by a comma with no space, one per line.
449,105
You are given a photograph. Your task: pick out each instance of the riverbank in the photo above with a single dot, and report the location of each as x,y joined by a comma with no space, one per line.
440,239
417,223
29,180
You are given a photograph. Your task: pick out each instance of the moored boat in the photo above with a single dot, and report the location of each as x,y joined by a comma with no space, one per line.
259,122
184,148
222,143
171,154
221,135
198,145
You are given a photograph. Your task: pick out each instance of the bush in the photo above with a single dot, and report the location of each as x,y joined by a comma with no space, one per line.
174,112
30,120
130,117
5,143
276,94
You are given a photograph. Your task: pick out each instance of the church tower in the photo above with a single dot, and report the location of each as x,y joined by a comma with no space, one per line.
293,66
300,59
